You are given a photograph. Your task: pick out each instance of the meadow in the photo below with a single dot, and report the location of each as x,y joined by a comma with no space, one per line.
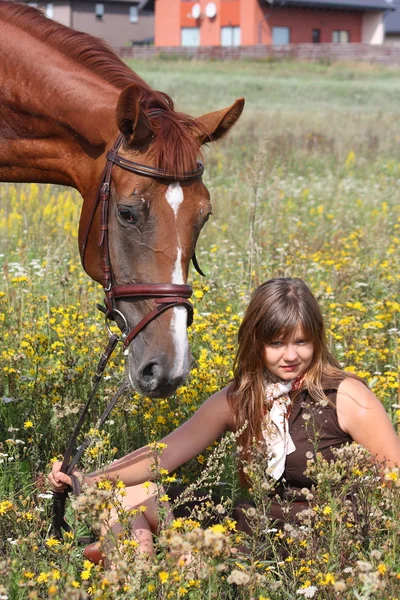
306,185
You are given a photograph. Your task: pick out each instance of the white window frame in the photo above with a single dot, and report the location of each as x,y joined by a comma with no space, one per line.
340,34
134,13
230,35
185,30
279,31
99,11
50,10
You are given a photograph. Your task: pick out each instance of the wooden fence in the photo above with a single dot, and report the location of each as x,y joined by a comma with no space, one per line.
381,54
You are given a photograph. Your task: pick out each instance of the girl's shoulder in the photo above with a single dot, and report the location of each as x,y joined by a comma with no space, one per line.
354,402
364,418
355,388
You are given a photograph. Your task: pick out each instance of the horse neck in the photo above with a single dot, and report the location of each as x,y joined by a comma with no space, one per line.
55,122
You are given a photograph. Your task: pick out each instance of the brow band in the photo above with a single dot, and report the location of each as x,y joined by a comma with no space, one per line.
147,171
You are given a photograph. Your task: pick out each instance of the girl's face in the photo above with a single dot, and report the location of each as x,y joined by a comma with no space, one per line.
288,358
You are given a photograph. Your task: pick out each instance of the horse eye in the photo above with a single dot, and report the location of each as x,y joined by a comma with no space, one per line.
127,214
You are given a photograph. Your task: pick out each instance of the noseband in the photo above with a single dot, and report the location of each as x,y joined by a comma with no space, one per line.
165,295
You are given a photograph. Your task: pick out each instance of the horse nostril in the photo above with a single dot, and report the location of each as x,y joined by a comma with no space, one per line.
149,372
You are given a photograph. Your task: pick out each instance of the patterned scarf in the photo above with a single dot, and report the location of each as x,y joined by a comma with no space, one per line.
276,429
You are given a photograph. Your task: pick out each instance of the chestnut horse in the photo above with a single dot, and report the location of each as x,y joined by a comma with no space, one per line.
65,98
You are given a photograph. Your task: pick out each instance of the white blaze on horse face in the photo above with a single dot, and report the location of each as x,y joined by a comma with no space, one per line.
174,197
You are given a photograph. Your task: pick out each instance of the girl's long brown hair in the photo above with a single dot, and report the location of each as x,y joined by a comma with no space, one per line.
276,309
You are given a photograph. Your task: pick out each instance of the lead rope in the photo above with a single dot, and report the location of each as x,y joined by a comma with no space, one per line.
59,498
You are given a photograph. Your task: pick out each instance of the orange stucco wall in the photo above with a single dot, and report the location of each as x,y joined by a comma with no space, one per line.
251,16
210,29
167,28
230,13
255,19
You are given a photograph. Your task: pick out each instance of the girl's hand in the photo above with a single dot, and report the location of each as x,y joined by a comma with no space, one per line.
59,481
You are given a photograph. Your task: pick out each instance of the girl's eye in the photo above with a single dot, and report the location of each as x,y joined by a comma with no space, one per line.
127,214
301,342
276,344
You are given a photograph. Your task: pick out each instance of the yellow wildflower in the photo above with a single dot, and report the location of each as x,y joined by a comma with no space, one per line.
52,541
28,574
218,528
328,579
382,569
164,576
43,577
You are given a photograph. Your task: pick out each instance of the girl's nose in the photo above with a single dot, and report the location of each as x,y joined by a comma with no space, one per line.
290,353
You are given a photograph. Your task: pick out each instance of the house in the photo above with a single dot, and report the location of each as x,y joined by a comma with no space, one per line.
252,22
117,22
392,24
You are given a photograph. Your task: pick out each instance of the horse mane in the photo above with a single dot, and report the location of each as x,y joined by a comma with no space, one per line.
177,142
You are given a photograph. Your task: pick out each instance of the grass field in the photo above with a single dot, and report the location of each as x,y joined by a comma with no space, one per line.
306,185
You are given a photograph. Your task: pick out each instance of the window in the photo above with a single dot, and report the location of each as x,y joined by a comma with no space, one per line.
190,36
230,36
280,36
99,11
50,10
134,13
316,36
340,36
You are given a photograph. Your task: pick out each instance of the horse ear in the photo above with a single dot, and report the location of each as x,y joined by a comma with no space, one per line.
131,119
218,123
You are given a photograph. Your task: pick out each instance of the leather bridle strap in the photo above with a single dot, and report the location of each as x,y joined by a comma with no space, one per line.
59,498
172,294
148,171
166,295
163,304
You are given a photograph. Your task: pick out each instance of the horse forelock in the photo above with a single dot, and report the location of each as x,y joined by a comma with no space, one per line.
176,147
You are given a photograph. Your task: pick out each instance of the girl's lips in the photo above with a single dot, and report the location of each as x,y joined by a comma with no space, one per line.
290,368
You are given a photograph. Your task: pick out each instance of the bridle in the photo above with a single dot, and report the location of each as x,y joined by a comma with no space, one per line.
165,295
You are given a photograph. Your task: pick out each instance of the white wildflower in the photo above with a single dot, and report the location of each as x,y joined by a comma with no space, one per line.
339,586
238,577
308,592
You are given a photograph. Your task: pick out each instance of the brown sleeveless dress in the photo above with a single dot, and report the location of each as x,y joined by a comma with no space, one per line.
313,428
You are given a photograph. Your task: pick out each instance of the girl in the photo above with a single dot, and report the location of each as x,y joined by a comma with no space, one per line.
285,378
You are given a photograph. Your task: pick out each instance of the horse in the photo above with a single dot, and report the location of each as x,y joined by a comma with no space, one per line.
70,110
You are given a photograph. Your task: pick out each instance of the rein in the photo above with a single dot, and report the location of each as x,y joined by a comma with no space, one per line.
165,296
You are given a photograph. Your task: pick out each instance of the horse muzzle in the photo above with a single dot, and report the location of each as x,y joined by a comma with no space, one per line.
159,373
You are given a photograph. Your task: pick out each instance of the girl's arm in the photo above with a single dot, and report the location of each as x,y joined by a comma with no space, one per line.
210,421
363,417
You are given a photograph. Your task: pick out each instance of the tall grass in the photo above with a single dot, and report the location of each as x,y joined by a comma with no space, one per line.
306,185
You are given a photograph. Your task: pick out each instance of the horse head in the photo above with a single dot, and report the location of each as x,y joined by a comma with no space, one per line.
154,214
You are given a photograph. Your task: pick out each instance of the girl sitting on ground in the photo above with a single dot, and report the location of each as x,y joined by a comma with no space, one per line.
284,378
